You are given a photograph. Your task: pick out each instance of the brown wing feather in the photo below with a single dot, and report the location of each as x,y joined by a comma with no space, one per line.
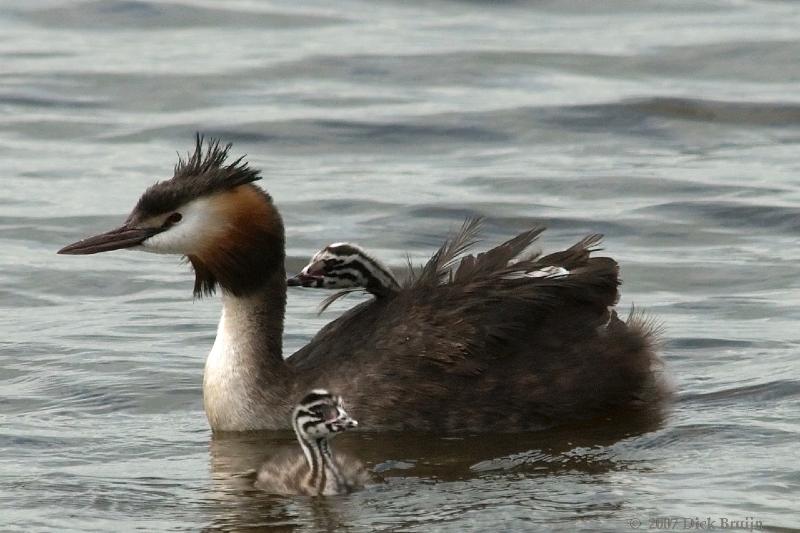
438,266
574,256
487,264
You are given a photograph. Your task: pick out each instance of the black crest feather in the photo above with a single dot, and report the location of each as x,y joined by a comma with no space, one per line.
203,172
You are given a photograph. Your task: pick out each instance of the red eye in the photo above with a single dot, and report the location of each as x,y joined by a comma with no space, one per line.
174,218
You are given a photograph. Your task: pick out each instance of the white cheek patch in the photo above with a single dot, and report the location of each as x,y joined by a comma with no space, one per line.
187,236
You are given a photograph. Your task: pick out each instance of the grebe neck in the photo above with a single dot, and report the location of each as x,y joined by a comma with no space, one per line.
323,476
380,280
247,384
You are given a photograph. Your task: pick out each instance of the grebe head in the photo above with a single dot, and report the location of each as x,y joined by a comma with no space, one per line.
319,415
344,265
211,213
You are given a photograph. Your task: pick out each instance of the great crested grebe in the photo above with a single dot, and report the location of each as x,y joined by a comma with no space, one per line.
316,471
479,344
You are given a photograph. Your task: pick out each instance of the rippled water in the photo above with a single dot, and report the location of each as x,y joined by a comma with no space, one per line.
673,128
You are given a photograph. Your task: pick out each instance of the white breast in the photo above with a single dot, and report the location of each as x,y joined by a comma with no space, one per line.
229,381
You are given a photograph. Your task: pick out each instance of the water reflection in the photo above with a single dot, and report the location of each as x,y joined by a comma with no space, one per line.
409,462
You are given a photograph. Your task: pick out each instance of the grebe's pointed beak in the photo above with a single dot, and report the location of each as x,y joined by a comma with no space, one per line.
304,280
310,276
344,421
123,237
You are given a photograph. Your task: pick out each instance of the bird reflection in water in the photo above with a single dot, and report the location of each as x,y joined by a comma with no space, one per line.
407,461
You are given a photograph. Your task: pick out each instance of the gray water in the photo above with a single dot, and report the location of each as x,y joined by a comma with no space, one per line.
671,127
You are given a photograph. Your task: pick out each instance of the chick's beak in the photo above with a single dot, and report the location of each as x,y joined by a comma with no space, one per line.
347,422
123,237
304,280
310,276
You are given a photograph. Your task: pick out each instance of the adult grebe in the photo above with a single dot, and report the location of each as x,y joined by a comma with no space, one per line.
485,346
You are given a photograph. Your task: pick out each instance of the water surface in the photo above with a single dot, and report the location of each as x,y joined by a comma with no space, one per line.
672,128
